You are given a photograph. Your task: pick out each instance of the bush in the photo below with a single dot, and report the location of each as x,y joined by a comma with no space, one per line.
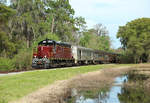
127,58
23,59
6,64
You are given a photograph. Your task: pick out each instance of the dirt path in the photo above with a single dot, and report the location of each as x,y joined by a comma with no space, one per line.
57,92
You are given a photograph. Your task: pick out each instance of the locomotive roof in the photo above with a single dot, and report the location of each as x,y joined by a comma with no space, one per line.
46,41
50,42
63,44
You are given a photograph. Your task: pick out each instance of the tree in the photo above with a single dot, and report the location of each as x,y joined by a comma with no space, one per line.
29,22
135,36
96,39
85,39
36,18
7,47
5,14
80,23
62,20
100,30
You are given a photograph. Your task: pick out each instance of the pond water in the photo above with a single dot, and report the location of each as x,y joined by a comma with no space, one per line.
105,97
118,93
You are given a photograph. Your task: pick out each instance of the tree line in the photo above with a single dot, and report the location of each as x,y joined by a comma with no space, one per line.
135,39
25,22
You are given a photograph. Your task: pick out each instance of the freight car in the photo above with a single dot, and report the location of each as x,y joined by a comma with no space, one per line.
51,53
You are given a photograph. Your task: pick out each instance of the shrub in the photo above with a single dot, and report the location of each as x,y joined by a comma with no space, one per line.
23,59
6,64
127,58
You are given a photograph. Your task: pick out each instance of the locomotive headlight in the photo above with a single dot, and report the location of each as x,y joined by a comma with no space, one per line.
45,56
34,60
46,60
34,56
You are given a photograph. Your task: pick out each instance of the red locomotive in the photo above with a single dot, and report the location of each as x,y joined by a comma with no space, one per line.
52,53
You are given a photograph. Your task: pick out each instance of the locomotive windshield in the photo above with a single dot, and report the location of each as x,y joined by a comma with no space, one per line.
46,42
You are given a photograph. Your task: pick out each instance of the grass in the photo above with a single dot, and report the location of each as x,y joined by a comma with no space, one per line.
13,87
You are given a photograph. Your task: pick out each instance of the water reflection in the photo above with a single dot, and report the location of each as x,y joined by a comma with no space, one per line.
118,93
110,96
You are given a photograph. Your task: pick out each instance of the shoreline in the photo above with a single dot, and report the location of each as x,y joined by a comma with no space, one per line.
60,90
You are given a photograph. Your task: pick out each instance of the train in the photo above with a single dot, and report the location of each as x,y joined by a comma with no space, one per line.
51,53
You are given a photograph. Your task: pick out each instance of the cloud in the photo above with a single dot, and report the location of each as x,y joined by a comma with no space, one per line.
111,13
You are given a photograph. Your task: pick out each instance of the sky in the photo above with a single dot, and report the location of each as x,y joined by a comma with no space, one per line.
111,13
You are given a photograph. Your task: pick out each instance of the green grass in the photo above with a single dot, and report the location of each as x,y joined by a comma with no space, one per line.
13,87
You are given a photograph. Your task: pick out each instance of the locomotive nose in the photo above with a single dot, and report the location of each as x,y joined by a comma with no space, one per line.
42,52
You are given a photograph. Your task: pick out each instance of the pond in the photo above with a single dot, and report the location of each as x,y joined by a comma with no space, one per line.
118,93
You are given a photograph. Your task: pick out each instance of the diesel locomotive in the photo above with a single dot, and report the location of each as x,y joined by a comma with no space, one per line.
52,53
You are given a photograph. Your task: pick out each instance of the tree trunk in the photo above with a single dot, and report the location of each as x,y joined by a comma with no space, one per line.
28,40
135,60
27,43
52,27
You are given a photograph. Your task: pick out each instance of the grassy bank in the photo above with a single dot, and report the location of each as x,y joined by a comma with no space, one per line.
16,86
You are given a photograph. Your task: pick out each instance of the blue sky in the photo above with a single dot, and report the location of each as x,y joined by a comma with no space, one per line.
111,13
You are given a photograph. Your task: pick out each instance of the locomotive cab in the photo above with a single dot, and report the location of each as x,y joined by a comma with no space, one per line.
45,48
